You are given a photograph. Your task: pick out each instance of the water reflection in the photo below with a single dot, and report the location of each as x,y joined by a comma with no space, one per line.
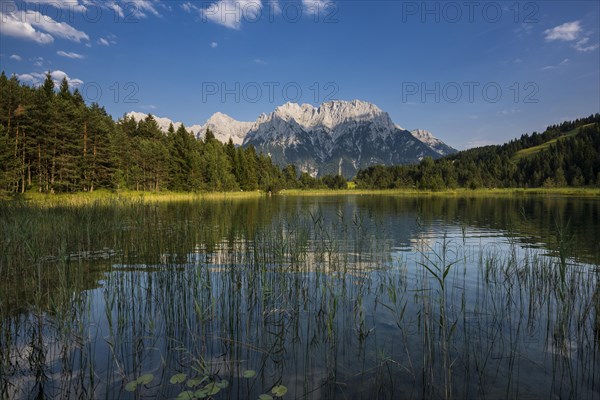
335,297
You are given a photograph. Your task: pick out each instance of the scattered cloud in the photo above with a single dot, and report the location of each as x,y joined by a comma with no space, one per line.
560,64
512,111
260,61
37,27
37,61
74,5
13,26
36,78
228,13
566,32
189,7
108,40
16,57
314,7
583,46
141,8
571,32
524,30
70,55
214,45
118,10
148,107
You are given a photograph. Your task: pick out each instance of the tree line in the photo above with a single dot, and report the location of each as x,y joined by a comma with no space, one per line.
571,157
51,141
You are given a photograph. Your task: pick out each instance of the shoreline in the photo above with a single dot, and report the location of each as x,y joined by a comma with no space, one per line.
81,198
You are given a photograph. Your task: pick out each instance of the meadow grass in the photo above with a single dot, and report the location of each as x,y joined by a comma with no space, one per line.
106,196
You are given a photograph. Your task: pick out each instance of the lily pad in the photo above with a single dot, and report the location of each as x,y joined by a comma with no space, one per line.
249,373
178,378
131,386
194,382
279,390
265,396
212,389
200,394
187,395
145,379
223,384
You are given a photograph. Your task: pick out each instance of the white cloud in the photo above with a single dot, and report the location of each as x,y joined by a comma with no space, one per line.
582,45
116,8
61,4
141,8
103,42
571,32
58,29
566,32
260,61
16,57
12,26
560,64
214,45
36,78
509,112
230,13
37,61
70,55
315,7
35,26
189,7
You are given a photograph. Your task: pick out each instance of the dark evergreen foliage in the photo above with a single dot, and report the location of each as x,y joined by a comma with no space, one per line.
570,157
51,141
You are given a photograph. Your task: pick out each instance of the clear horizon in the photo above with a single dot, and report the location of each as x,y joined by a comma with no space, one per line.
472,73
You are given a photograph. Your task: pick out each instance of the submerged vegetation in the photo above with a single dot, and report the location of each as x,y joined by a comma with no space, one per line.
351,297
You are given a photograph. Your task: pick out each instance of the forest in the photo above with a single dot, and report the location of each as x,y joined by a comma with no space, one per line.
51,141
563,155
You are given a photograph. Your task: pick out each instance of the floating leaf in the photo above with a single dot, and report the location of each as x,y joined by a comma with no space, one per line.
145,379
178,378
200,394
279,390
187,395
223,384
194,382
265,396
212,388
249,373
131,386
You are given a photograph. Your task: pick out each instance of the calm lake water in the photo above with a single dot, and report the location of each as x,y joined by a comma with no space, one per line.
305,297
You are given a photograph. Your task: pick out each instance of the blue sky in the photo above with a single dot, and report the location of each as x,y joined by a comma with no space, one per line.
473,73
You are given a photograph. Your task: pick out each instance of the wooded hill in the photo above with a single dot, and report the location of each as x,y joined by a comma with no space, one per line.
563,155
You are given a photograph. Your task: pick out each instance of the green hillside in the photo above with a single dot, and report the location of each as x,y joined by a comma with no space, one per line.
545,146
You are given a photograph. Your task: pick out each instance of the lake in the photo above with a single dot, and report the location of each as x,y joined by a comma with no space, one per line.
344,297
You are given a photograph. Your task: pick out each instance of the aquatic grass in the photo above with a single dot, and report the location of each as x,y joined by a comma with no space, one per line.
310,299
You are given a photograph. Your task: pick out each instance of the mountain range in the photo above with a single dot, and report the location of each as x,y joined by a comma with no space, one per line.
337,137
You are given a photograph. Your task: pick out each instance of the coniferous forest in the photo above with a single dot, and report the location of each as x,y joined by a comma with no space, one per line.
52,141
564,155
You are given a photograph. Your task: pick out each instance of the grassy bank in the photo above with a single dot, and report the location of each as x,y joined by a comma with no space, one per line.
154,197
576,192
109,196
